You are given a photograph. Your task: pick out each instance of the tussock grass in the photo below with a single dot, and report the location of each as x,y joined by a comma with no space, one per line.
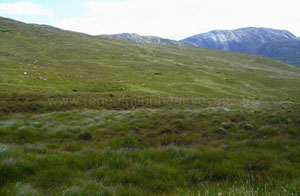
151,152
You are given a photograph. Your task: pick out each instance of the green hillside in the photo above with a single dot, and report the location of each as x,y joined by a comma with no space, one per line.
84,115
70,60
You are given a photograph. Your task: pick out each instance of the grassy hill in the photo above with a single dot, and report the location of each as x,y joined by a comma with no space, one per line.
85,115
70,60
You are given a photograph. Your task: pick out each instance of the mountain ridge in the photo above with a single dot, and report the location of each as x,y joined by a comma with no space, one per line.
281,45
133,37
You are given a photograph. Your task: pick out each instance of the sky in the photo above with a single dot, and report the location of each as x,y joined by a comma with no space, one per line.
173,19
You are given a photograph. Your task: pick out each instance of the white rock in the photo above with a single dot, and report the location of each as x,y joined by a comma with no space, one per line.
25,73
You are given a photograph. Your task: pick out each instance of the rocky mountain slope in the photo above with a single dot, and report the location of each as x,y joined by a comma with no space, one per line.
288,51
146,39
259,41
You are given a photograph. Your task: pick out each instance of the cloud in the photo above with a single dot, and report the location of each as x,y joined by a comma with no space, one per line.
178,19
25,8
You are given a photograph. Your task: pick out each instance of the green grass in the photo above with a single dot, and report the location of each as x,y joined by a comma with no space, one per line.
91,117
152,152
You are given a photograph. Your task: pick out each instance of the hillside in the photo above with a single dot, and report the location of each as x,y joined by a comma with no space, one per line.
146,39
87,115
58,61
259,41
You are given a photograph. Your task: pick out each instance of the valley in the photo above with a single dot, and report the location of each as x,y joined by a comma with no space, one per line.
89,115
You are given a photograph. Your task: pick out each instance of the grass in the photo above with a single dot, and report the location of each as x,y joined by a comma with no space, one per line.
92,117
152,151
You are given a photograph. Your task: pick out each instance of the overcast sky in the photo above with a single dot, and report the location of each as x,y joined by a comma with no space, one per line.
174,19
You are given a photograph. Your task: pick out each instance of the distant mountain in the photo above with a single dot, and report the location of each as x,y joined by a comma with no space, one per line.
132,37
278,44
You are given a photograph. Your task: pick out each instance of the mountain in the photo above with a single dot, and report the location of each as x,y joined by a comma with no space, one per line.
132,37
259,41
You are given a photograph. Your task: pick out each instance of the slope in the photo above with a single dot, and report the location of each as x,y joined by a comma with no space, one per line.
287,51
58,61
